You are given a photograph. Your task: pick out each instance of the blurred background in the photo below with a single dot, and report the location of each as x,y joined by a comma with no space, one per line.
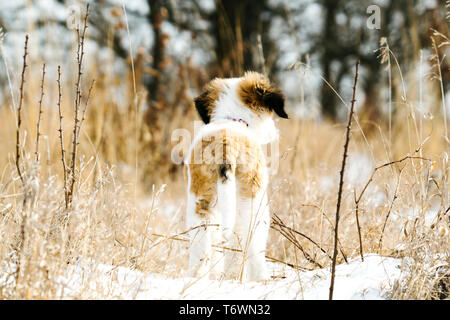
308,47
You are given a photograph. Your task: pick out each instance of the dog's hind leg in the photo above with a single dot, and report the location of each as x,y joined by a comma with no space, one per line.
226,208
253,228
200,242
226,200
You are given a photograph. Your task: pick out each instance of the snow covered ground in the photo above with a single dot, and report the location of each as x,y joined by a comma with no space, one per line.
370,279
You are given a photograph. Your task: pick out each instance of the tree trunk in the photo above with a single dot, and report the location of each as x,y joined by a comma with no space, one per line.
327,96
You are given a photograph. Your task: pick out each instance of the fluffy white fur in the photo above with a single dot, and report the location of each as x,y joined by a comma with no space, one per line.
242,223
229,106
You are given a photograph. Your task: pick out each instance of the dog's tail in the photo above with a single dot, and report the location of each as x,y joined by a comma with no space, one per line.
226,199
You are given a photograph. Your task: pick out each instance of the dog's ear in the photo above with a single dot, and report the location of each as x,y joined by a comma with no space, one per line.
274,100
202,105
206,101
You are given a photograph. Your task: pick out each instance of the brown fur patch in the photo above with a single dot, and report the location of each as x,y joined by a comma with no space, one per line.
257,93
243,158
205,103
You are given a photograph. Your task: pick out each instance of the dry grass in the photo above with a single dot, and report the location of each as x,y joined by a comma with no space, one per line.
123,221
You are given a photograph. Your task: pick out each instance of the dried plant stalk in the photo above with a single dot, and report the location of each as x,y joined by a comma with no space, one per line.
86,105
76,127
289,235
380,241
38,133
341,183
61,139
19,109
278,222
438,66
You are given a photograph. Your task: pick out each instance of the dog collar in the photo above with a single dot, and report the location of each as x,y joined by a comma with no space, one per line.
239,120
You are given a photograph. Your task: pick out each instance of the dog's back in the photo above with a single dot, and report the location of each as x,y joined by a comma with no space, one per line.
220,153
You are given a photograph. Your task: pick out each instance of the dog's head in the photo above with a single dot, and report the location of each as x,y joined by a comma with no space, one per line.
253,91
251,99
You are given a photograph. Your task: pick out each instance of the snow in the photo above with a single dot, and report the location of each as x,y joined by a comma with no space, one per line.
368,280
430,216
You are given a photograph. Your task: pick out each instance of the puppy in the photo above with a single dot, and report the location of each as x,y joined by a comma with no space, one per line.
228,178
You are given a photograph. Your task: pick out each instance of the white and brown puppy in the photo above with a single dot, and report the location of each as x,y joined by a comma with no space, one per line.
228,178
